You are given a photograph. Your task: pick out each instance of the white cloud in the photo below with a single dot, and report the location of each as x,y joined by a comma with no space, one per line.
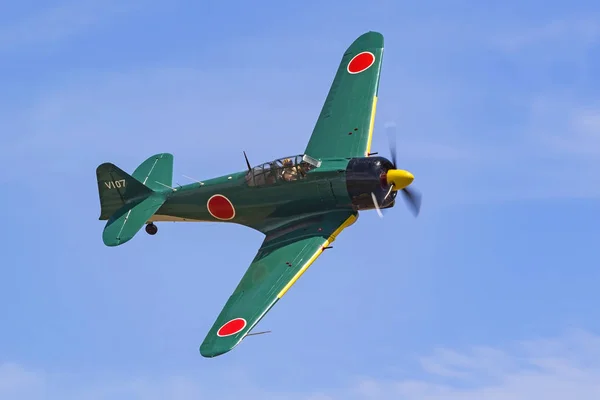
566,126
560,368
585,127
128,115
196,114
17,382
556,369
58,22
582,30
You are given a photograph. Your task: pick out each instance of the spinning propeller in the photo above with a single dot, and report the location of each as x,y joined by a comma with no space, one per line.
399,180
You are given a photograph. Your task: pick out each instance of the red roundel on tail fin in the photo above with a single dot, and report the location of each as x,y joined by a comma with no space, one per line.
232,327
220,207
361,62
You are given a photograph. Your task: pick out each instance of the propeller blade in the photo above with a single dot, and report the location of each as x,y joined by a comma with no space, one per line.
388,193
391,131
413,200
376,205
411,197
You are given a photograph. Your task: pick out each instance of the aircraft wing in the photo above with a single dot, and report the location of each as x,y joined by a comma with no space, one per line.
285,254
345,126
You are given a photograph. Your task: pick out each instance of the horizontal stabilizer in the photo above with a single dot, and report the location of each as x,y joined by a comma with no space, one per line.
156,172
129,219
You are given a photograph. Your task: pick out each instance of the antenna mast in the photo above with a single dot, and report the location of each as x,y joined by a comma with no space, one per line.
247,162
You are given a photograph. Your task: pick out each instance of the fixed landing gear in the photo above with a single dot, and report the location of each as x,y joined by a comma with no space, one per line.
151,229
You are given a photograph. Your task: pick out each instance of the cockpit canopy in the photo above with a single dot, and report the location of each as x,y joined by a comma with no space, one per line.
287,169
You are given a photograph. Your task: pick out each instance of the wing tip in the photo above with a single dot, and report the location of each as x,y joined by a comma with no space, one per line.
211,351
370,39
214,346
209,354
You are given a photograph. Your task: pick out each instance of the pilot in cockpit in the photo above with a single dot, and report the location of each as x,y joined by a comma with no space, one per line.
289,171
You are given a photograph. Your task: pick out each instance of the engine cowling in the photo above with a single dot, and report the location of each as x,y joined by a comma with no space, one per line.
367,175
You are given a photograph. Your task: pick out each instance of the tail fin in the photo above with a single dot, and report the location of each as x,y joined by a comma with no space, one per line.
127,201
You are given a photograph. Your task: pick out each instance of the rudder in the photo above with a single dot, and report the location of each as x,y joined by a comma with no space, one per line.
116,187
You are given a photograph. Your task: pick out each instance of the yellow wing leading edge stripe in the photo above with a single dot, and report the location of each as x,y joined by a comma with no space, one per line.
371,126
351,219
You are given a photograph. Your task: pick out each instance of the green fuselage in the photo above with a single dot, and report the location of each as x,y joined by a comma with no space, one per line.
335,184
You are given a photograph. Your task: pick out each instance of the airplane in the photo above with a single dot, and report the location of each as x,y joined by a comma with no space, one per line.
300,203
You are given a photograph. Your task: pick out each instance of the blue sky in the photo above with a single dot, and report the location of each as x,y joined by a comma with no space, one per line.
491,292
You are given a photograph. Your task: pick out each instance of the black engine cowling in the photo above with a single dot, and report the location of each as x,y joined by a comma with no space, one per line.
365,176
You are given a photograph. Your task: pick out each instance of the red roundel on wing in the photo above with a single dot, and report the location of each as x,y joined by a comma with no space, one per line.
220,207
232,327
361,62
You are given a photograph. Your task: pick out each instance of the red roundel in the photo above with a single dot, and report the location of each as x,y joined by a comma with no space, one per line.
361,62
220,207
232,327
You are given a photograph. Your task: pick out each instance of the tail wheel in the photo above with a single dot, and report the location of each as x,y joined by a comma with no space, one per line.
151,229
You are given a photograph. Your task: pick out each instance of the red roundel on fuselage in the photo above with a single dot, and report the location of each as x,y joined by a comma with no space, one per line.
361,62
220,207
232,327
